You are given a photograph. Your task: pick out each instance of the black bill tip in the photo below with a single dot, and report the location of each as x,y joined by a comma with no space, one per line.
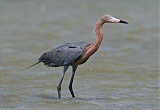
121,21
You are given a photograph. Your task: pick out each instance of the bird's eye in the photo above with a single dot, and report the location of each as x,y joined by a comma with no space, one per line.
109,18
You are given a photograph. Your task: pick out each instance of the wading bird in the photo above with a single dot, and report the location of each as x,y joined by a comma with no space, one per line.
75,53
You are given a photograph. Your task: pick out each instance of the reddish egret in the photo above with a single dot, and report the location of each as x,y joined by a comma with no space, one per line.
74,54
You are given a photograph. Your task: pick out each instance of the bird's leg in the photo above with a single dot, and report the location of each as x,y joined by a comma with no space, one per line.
59,85
71,81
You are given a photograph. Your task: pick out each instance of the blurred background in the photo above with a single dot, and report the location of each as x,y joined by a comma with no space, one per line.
122,74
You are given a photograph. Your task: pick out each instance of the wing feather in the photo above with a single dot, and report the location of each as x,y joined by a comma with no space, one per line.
62,55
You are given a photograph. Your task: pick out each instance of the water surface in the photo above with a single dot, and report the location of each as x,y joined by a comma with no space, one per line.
123,74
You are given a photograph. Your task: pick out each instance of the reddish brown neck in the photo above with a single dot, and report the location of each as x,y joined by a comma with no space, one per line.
99,35
91,49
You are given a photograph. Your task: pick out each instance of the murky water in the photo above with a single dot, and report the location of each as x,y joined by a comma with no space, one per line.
123,74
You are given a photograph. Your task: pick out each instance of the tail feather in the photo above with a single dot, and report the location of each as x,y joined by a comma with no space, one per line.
31,65
43,58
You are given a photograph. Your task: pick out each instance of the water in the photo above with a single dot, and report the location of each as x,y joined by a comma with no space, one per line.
122,74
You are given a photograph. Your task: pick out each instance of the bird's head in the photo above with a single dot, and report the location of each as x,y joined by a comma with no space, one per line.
110,19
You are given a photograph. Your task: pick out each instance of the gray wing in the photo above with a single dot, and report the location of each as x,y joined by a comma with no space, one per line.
62,55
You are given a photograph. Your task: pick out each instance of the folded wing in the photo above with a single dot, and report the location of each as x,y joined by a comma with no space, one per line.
62,55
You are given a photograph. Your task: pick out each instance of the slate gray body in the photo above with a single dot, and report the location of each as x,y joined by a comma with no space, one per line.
64,55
